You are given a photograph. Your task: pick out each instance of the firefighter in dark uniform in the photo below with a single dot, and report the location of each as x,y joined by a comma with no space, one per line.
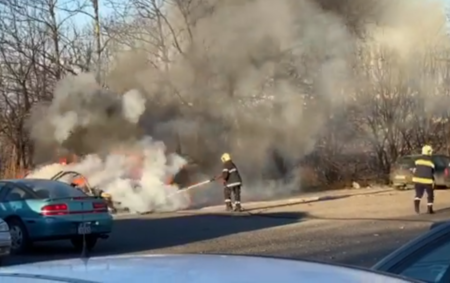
423,179
232,182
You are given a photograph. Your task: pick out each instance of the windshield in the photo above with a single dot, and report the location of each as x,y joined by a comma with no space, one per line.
52,189
406,162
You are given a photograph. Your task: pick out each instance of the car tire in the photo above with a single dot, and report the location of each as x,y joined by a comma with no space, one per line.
441,187
91,241
20,240
399,188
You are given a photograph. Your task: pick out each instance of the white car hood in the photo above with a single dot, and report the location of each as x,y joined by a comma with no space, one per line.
192,269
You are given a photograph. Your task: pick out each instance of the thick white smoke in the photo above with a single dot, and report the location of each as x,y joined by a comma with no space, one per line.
134,172
136,176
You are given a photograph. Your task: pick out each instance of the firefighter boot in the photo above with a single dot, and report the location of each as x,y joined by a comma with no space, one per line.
417,206
237,207
430,208
228,206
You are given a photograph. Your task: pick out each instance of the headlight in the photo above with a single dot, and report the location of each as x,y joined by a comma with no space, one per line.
4,227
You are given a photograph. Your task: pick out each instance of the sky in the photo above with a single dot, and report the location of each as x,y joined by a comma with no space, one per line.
104,10
447,12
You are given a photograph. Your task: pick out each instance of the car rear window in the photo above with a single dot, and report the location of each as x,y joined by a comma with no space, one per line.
53,189
441,161
406,162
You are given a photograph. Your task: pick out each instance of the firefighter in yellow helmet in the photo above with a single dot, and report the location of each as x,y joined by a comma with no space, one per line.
423,179
232,182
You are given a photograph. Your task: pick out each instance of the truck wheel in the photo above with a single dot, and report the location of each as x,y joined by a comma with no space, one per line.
91,241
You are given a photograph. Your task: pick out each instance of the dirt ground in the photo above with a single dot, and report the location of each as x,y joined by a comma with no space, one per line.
378,202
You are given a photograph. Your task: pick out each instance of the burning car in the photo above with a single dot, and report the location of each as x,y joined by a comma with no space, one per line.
80,182
134,170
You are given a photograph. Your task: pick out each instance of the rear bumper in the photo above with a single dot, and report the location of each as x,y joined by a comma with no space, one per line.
405,180
52,228
410,185
442,181
402,183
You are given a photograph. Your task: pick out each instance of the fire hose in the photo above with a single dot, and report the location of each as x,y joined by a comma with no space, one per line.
198,184
183,190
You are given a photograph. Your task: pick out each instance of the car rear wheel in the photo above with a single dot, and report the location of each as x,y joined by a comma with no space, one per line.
20,240
440,187
91,241
399,188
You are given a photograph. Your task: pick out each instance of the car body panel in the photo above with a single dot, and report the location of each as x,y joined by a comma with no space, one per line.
200,269
438,223
54,227
410,247
412,250
402,171
79,181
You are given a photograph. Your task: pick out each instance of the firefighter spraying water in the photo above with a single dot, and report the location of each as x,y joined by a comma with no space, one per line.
232,183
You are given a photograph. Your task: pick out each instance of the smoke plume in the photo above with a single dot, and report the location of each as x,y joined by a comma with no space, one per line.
258,79
132,167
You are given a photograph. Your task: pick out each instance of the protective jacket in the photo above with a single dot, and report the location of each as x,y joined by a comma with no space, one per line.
424,171
230,174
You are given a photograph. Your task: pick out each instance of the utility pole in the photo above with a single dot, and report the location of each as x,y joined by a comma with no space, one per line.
95,5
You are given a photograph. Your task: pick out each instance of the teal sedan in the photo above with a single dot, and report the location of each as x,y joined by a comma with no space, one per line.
46,210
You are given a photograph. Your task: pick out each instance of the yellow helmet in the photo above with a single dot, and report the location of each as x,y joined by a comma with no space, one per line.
225,157
427,150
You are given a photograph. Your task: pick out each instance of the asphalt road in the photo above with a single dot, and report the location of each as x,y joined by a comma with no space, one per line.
284,234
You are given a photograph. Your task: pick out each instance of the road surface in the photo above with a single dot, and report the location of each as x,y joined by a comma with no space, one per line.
355,227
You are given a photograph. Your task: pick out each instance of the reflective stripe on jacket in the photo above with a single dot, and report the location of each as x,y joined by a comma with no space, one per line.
230,174
424,171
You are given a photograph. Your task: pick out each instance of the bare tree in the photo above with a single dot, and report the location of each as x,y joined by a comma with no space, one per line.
35,46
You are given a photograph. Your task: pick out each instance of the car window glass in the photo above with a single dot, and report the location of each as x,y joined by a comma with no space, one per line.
406,162
66,177
431,266
16,194
446,161
3,190
440,162
53,189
